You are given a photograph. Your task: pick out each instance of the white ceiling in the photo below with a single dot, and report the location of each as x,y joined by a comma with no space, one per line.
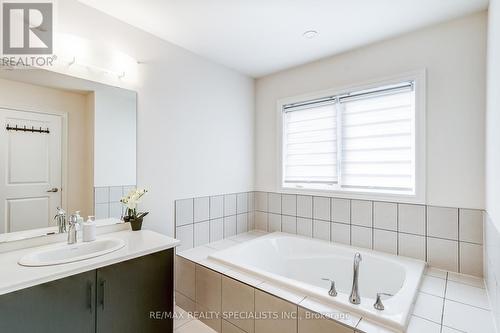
258,37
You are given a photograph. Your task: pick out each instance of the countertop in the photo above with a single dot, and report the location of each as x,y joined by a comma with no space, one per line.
137,243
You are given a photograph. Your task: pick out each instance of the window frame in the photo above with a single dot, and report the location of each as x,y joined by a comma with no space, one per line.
419,77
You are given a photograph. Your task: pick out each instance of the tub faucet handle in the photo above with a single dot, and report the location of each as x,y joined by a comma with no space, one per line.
378,303
333,291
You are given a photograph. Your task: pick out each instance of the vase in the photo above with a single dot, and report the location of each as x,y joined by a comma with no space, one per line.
136,224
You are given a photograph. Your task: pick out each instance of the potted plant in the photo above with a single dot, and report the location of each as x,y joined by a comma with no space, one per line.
130,202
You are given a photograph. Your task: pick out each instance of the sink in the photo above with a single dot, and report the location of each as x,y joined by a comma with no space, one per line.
64,253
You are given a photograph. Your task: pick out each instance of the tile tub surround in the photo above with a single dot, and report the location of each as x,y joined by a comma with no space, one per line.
298,262
202,220
107,201
447,301
444,237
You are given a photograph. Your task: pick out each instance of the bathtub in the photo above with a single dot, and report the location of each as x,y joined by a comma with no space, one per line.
300,263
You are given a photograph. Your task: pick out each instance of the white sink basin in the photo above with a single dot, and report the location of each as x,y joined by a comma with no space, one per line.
64,253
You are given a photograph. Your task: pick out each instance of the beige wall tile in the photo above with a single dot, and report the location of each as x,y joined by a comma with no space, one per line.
266,304
208,288
471,225
238,298
230,328
442,253
470,259
185,277
312,322
442,222
184,302
209,317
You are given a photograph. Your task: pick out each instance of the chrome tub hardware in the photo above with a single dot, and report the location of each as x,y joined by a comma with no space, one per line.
378,303
333,291
355,298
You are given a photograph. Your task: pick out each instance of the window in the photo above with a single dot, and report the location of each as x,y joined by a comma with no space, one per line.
363,141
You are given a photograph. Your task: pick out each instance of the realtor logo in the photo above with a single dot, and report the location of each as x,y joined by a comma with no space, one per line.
27,28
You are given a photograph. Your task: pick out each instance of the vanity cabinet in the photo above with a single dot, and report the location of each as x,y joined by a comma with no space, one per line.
128,292
65,305
117,298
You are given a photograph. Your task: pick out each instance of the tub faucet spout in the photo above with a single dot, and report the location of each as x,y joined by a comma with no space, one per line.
355,298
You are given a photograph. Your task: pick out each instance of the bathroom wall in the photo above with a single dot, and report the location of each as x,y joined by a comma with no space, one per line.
453,54
492,215
78,106
195,118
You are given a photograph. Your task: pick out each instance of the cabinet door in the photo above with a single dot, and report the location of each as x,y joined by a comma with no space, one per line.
128,293
61,306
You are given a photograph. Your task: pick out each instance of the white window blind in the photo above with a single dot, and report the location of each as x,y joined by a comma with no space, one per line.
361,141
378,142
310,145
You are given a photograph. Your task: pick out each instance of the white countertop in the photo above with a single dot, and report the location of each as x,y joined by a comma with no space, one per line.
137,243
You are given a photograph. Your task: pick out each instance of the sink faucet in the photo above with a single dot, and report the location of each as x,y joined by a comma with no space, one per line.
72,231
60,219
354,298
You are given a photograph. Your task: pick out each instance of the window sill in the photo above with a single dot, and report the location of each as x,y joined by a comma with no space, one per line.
348,194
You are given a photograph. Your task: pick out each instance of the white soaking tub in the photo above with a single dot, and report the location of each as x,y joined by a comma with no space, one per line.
300,263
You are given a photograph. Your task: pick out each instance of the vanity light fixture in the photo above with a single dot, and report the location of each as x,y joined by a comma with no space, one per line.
310,34
76,62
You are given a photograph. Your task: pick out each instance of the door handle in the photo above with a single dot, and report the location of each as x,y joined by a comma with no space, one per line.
53,190
89,295
102,285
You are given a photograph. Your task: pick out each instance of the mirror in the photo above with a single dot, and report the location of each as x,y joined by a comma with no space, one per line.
64,142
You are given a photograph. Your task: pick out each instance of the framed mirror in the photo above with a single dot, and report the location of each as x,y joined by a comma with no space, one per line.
65,142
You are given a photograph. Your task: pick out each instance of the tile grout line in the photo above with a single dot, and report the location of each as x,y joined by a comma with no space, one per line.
209,220
350,222
312,219
397,229
330,220
444,300
373,225
425,232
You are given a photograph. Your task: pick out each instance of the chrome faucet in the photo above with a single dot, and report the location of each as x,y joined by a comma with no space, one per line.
355,298
72,231
378,303
60,219
333,291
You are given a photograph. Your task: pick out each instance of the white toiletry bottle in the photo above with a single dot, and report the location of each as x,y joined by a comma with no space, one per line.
89,231
79,220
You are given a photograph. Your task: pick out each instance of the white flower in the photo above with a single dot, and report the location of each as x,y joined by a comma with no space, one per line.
133,198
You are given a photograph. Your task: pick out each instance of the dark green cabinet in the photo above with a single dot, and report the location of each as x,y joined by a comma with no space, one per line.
65,305
131,296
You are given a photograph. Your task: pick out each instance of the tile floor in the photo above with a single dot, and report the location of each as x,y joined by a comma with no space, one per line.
184,323
451,303
447,302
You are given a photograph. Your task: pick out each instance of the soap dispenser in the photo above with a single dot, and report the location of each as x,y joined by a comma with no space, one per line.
79,220
89,230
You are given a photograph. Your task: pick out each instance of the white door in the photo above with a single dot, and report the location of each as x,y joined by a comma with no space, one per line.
30,170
